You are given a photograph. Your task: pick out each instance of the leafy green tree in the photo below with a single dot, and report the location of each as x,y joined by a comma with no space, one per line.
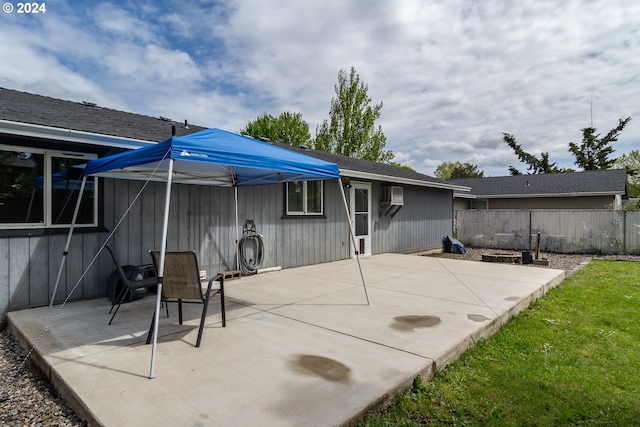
536,165
287,128
454,170
630,162
444,169
466,170
351,129
398,165
593,153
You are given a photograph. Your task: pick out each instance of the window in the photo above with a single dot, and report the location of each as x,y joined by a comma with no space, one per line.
40,188
304,198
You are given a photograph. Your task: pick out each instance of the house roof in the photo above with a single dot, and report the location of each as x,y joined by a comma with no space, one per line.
27,108
585,183
365,169
27,114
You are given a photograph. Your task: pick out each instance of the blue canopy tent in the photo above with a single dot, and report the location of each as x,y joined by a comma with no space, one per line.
209,157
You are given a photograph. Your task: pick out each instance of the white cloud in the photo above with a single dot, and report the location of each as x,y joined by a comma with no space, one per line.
452,75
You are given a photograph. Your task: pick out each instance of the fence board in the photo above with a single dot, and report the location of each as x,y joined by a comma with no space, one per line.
592,231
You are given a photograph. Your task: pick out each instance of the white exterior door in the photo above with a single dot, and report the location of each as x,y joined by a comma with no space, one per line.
360,198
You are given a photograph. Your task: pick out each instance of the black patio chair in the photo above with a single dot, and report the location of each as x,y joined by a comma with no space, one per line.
181,283
129,283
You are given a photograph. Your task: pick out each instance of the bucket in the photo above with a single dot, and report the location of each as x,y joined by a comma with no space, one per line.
527,258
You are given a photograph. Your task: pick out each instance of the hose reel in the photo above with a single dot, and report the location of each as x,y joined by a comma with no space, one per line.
250,248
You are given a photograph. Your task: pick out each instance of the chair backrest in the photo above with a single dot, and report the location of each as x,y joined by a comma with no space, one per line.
123,276
181,276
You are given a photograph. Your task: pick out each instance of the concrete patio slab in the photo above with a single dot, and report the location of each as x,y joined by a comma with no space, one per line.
301,346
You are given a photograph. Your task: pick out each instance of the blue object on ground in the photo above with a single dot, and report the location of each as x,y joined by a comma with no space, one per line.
453,246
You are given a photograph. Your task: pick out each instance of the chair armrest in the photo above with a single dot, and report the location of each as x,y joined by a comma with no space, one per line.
218,278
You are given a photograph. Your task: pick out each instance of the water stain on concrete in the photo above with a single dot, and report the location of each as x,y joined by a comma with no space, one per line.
322,367
477,317
409,323
512,298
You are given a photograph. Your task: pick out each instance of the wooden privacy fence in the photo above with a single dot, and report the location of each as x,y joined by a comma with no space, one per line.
614,232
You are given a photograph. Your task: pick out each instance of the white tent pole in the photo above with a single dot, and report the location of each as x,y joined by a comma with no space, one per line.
33,195
235,187
66,246
160,272
353,236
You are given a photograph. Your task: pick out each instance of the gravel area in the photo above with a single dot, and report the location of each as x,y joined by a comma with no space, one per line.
567,262
26,398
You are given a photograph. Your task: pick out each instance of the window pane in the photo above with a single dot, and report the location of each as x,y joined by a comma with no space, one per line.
294,197
314,197
362,224
21,187
65,182
362,200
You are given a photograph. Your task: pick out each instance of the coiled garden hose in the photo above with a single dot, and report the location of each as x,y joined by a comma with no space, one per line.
250,266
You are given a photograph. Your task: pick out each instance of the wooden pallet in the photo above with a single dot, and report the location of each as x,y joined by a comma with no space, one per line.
505,258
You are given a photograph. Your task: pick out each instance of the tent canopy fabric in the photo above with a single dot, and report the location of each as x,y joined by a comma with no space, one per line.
208,157
214,157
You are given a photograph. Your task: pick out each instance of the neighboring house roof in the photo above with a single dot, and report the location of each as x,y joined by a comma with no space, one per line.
586,183
26,114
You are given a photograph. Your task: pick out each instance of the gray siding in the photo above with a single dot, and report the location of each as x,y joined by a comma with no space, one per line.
421,224
579,202
203,219
526,203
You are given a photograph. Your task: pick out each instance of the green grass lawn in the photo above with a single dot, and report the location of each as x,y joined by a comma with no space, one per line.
573,358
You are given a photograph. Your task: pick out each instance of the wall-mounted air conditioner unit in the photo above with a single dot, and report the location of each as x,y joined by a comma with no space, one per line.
392,200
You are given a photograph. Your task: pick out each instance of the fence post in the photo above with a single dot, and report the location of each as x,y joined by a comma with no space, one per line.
530,229
624,232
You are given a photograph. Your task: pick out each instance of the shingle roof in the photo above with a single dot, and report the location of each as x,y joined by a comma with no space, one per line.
352,164
25,107
554,184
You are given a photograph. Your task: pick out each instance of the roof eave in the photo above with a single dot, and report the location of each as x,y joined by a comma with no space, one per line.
399,180
68,135
529,196
457,195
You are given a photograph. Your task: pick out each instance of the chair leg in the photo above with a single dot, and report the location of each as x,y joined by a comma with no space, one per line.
123,294
180,311
150,334
202,320
224,318
119,298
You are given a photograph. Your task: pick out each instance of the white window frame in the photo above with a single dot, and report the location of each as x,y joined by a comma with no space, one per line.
304,211
47,186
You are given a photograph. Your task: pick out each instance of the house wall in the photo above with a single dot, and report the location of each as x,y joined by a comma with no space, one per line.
421,224
203,219
596,202
200,219
581,202
461,204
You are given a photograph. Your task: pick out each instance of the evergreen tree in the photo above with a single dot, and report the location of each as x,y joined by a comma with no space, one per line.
593,153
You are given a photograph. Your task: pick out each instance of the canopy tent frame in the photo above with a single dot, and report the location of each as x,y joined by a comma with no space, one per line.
287,167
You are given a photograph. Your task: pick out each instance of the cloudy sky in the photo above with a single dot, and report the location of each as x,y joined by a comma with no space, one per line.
452,74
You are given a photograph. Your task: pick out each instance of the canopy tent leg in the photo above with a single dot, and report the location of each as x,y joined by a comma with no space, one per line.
66,246
163,250
353,237
235,188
